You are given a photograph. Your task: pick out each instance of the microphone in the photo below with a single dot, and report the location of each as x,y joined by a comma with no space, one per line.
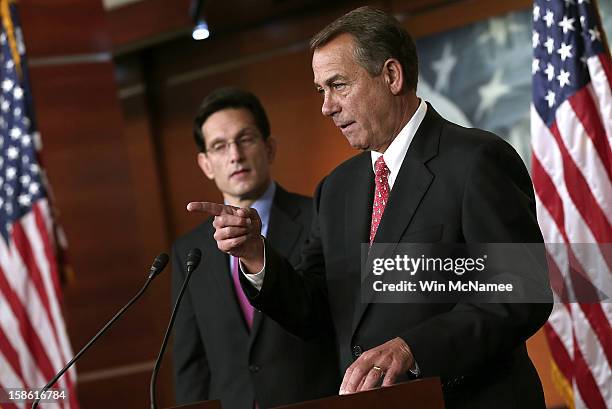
193,260
157,267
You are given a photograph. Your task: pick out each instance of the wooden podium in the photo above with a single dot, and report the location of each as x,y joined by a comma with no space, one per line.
419,394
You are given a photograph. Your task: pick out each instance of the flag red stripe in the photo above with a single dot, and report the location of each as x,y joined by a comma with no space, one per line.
589,391
28,333
606,64
581,194
27,255
547,192
557,282
550,198
11,356
559,353
548,195
8,406
24,247
583,105
49,253
600,325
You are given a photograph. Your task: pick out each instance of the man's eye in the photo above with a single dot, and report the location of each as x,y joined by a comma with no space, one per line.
338,85
246,139
218,146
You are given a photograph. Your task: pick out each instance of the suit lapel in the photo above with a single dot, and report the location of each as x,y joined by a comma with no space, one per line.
283,234
283,230
218,266
358,212
411,185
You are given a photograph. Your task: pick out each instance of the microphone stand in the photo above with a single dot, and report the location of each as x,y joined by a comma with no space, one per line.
155,270
193,259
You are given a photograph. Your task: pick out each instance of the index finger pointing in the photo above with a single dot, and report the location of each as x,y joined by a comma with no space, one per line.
214,209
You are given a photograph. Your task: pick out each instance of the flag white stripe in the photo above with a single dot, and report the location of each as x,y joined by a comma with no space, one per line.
547,153
9,379
561,322
28,297
7,374
36,242
592,352
555,245
602,94
546,150
607,309
10,327
578,402
580,147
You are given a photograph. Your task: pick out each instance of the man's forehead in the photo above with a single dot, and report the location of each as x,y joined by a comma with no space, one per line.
332,59
228,123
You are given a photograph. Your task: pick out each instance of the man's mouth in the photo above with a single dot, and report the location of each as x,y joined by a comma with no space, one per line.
239,172
346,125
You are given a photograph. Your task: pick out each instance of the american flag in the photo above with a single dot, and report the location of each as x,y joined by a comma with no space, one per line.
33,340
571,128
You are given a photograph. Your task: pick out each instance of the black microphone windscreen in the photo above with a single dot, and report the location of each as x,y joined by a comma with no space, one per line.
193,258
159,263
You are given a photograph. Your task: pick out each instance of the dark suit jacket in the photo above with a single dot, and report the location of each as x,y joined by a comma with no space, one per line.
455,185
215,355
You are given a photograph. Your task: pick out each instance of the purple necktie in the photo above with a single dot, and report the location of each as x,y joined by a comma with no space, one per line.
245,306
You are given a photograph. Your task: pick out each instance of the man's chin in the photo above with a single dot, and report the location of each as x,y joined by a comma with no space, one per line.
246,192
358,144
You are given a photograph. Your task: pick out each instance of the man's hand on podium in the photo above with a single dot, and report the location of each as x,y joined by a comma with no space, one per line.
237,232
383,363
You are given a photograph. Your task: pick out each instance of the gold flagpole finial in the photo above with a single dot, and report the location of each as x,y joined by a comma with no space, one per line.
9,29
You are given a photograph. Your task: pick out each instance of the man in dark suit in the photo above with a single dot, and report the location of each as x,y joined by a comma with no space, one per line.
223,348
422,179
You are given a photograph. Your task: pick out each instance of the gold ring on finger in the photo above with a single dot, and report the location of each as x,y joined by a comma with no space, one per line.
379,369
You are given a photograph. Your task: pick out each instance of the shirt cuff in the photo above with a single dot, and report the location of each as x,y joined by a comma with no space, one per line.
415,370
256,279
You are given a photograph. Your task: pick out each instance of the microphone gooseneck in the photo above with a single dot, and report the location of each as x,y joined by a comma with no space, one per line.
158,265
193,260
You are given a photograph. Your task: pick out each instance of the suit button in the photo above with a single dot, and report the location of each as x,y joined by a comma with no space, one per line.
254,368
357,351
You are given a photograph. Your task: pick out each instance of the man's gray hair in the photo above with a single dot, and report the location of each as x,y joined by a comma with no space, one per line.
378,36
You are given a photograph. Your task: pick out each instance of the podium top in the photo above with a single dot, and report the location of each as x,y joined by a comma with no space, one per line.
209,404
420,394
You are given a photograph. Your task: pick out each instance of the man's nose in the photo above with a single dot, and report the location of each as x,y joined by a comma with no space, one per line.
234,150
330,106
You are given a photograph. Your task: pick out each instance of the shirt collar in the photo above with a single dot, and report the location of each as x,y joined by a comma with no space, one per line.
396,152
263,205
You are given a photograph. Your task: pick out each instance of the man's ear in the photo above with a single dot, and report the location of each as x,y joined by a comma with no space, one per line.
271,148
205,165
393,75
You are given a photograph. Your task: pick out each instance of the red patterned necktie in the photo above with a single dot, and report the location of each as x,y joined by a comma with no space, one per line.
381,194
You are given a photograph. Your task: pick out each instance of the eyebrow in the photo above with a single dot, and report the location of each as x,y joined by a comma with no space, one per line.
240,133
331,79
